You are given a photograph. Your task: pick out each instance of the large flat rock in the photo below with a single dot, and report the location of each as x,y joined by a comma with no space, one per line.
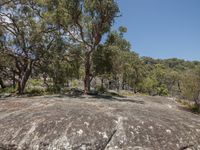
88,123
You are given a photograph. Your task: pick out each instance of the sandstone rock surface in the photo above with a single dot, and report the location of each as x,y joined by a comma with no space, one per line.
96,123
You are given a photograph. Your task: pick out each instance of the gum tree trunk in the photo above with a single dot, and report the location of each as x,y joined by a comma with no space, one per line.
2,84
13,80
87,79
22,82
23,78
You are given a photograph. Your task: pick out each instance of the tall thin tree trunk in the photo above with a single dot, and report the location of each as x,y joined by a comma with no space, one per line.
123,85
14,83
22,83
179,87
2,84
87,74
45,80
21,87
118,85
109,85
102,82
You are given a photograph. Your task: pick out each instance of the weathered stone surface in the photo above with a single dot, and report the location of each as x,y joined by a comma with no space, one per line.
88,123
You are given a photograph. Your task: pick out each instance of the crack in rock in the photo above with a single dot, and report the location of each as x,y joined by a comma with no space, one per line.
186,147
109,140
8,147
118,128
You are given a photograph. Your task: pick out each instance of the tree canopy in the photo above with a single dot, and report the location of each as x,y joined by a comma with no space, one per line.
72,42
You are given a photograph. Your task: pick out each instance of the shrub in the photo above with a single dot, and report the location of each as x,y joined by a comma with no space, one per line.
148,85
191,86
8,90
74,84
126,93
162,91
53,89
101,89
34,82
189,105
35,91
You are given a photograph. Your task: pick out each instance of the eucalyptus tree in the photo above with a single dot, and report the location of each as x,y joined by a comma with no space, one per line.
2,71
24,38
1,57
6,72
61,63
191,86
103,63
133,71
85,22
126,65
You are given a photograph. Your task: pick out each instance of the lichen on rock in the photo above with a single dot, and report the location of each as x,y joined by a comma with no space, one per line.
135,123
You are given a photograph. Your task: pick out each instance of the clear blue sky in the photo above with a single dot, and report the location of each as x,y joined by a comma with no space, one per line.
162,28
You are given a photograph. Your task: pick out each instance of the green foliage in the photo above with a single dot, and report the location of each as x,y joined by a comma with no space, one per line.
7,90
62,63
148,85
25,39
74,84
35,91
132,70
122,29
83,23
53,89
101,89
162,90
188,105
195,108
126,93
103,61
61,40
116,40
191,86
34,82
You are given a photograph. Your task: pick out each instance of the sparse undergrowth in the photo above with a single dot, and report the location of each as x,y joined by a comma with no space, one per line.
189,106
35,92
7,90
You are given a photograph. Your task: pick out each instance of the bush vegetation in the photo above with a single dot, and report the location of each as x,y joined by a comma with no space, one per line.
52,43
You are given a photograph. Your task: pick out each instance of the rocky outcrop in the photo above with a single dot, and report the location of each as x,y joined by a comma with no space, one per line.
95,123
